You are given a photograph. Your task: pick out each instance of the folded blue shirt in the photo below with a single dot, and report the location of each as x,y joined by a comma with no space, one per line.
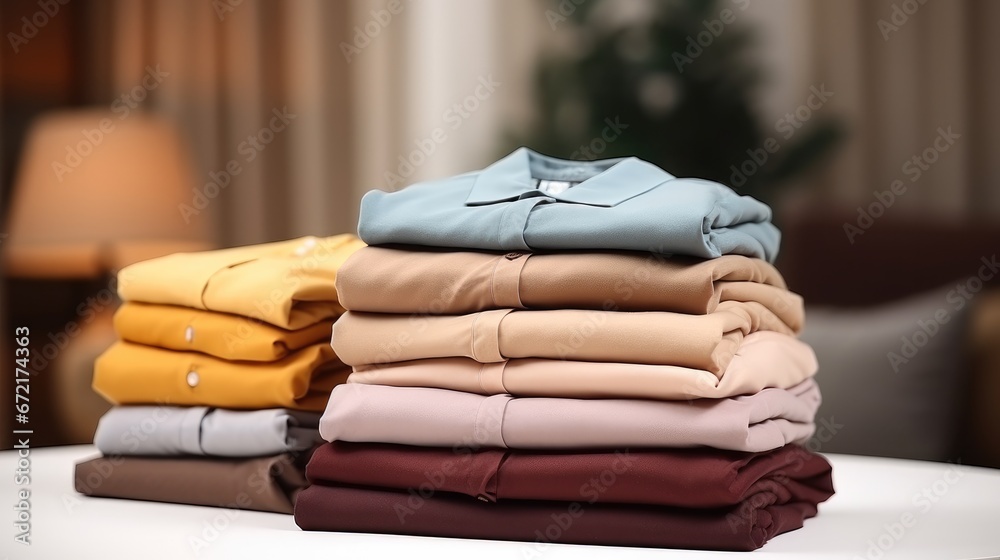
531,202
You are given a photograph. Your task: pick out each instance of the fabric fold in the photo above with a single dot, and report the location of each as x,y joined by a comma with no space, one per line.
223,335
764,359
260,484
441,418
198,430
135,374
328,507
661,338
426,280
689,478
622,204
289,284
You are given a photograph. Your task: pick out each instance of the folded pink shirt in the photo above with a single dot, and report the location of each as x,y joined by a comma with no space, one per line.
442,418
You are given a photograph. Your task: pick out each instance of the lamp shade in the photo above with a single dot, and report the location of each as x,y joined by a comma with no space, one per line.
95,192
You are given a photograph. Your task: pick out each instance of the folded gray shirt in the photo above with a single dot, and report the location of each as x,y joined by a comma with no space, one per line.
198,430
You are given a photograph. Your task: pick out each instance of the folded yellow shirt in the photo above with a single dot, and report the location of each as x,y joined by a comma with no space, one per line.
135,374
227,336
289,284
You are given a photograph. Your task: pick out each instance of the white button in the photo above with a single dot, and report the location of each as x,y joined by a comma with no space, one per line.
306,246
189,334
192,379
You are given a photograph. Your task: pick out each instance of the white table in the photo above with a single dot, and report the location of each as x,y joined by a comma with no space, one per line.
953,513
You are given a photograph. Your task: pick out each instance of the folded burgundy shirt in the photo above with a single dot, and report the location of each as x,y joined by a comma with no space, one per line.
692,478
671,498
366,510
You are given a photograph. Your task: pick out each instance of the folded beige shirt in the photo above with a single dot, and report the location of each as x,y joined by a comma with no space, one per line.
656,337
765,359
410,280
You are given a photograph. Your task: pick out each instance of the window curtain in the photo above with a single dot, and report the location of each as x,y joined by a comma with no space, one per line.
428,58
903,71
369,81
227,69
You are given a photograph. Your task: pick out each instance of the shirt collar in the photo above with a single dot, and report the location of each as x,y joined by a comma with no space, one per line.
609,182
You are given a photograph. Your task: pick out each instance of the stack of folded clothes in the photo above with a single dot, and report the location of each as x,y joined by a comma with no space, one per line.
561,351
222,369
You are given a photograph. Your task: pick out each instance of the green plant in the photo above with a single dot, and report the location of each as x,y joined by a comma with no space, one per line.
691,115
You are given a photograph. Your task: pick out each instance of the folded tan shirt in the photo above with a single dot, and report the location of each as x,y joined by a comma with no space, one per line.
391,280
765,359
706,342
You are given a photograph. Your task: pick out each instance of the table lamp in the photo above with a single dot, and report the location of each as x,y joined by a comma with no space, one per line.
95,192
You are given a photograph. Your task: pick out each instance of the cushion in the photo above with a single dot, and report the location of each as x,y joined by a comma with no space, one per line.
892,376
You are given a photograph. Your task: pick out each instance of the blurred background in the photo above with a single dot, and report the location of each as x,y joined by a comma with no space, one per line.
131,129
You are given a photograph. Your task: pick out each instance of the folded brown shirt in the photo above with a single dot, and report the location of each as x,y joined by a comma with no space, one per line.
706,342
426,281
260,484
691,478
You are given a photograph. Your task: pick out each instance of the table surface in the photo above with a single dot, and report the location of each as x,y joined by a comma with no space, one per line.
883,509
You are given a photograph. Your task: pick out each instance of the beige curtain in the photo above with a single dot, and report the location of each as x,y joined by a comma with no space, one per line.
366,79
232,62
900,73
937,70
432,55
232,66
